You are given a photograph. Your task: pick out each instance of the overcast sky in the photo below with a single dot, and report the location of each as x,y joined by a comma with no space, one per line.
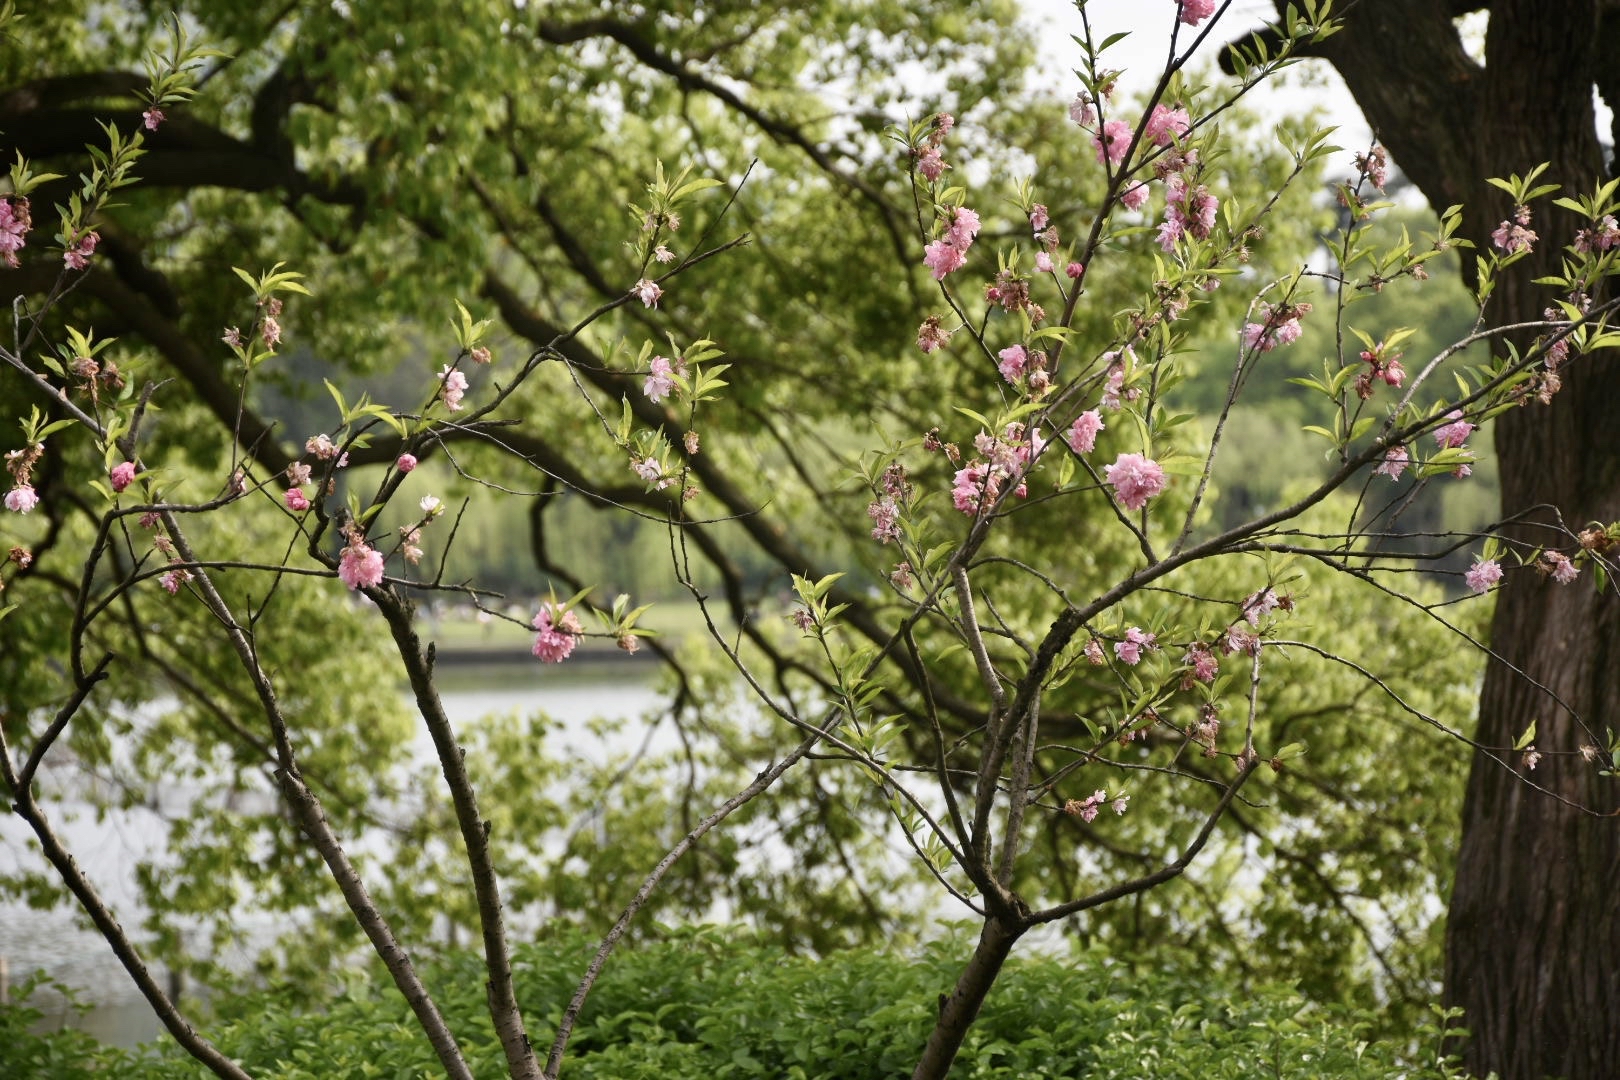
1142,55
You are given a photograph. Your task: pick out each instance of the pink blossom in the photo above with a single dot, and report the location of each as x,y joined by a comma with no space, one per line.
1483,574
1082,434
1604,236
270,330
232,337
1194,12
1134,196
964,227
1395,461
15,221
1515,236
77,257
1043,262
1280,326
652,470
151,118
943,258
122,475
1204,663
1113,143
1453,435
660,379
1374,165
1559,566
930,335
972,487
558,633
1081,112
1013,359
885,515
405,463
930,165
1074,270
21,499
1136,639
173,579
296,500
647,292
1165,124
455,385
1258,605
321,446
1120,804
298,473
1039,219
360,565
1135,480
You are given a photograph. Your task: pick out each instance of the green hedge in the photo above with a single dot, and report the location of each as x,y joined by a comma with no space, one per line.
695,1006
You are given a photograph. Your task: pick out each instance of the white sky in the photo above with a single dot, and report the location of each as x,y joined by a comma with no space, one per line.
1142,55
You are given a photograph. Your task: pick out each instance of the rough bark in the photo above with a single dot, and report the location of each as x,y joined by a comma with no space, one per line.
1531,940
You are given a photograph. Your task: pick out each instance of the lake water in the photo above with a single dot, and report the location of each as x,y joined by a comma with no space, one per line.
57,943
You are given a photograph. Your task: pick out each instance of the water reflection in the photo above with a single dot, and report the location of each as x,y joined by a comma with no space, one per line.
61,944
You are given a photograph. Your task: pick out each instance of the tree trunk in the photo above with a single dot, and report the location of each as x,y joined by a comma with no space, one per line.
960,1008
1532,942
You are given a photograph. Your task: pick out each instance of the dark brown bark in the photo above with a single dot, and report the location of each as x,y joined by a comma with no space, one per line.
959,1008
1532,940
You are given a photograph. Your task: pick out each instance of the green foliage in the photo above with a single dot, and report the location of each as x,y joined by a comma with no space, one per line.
697,1005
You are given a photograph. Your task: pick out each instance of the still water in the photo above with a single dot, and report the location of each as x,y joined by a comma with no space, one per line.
56,943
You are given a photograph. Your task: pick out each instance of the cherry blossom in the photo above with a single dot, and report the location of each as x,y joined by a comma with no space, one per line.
122,475
1082,434
559,632
1135,480
1483,574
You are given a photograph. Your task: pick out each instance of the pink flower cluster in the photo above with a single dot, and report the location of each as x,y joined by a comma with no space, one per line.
1602,237
1374,165
1382,368
1194,12
77,256
1279,325
647,291
1483,574
360,566
1452,436
1395,461
455,385
1113,142
1082,434
121,475
885,509
1187,212
1086,809
950,251
558,632
1516,235
1559,566
1136,639
1165,125
661,377
22,498
930,335
15,221
1005,458
930,164
1135,480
